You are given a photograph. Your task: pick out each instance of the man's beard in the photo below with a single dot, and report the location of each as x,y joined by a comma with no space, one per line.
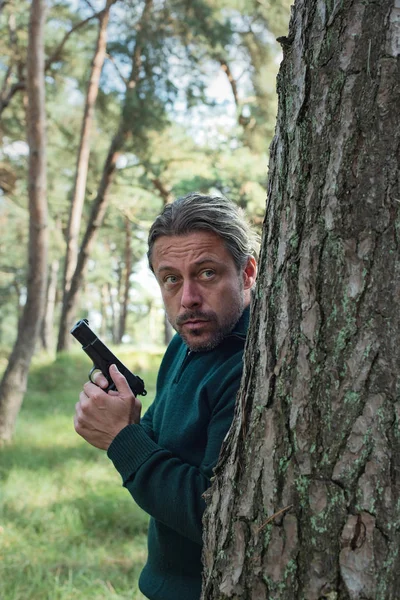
221,327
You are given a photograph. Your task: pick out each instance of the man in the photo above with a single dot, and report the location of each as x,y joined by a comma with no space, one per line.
201,253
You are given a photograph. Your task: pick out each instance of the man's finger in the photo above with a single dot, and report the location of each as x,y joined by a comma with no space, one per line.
99,379
120,381
92,390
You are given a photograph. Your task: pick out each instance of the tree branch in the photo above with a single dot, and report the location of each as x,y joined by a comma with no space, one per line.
55,56
6,81
117,69
164,192
226,69
243,121
5,98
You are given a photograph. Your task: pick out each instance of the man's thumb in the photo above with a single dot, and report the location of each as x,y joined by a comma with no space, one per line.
120,381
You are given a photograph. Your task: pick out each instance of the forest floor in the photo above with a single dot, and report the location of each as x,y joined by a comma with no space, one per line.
68,529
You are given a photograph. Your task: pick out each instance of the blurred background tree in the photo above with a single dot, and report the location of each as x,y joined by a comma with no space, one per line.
145,101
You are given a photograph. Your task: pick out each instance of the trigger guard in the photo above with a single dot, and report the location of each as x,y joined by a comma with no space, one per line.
92,370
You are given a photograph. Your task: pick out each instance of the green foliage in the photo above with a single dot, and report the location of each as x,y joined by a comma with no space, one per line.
68,530
187,128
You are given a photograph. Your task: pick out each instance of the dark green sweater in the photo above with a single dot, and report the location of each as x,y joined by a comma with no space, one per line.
167,461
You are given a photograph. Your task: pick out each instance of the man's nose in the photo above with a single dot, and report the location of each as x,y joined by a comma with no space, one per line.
191,295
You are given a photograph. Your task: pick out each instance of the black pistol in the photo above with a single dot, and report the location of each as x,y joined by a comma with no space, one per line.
103,358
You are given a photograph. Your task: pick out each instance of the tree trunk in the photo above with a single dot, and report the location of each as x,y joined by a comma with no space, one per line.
47,331
20,301
100,203
13,385
104,303
82,164
95,221
306,499
127,281
113,315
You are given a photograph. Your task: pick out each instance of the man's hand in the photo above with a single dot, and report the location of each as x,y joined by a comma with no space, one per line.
99,415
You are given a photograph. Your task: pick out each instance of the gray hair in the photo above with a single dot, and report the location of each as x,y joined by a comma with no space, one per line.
197,212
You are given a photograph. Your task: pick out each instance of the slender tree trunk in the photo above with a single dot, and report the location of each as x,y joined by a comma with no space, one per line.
100,203
167,198
306,499
103,311
120,277
152,321
95,221
82,164
113,315
47,331
20,304
13,385
127,280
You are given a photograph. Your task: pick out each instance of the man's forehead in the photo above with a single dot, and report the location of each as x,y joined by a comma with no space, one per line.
196,247
196,239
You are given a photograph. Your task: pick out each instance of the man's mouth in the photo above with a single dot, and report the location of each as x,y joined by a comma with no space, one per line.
191,319
194,322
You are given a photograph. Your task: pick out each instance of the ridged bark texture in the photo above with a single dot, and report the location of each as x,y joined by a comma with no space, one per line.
306,499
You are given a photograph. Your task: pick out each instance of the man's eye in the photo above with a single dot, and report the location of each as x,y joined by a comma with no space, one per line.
170,279
207,274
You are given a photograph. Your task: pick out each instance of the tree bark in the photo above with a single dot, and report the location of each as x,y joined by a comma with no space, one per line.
111,304
13,385
47,330
306,498
123,315
100,203
104,304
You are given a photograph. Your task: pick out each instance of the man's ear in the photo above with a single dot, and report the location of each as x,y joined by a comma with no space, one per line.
250,273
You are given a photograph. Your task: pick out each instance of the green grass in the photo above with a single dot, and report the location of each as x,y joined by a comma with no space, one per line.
68,530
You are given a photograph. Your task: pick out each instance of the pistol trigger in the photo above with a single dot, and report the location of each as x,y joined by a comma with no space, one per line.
92,370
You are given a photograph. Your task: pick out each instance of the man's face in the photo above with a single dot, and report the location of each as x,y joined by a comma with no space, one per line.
203,293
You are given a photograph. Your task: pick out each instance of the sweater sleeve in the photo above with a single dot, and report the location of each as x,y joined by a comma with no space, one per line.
164,486
147,421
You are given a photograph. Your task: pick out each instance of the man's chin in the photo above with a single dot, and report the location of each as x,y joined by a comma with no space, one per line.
207,335
201,343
